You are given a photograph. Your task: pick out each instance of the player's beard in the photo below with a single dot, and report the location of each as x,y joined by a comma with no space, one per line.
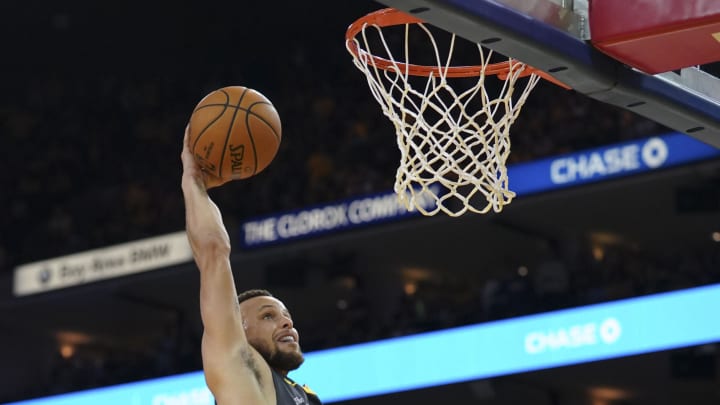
286,361
280,360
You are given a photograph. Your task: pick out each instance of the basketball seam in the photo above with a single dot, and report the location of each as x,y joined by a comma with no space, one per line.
229,132
225,106
247,111
250,135
261,118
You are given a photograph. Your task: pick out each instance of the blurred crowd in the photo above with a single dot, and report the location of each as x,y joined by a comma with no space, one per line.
92,159
95,162
555,281
92,144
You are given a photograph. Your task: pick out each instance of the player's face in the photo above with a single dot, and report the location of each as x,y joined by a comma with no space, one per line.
269,329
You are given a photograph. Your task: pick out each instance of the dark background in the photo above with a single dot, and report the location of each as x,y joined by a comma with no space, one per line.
94,100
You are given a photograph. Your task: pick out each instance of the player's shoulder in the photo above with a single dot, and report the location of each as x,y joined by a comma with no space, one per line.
308,390
312,396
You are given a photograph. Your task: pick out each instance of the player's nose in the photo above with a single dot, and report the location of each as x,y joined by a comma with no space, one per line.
287,322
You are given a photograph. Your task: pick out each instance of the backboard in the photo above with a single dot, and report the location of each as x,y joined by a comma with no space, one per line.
557,36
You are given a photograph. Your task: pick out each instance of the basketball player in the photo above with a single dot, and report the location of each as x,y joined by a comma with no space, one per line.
249,343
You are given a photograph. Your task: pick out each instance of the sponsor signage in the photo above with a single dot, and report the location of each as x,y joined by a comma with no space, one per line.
609,162
562,171
553,339
184,389
99,264
347,214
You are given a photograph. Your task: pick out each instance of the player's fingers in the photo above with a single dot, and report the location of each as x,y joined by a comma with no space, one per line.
212,181
186,156
191,166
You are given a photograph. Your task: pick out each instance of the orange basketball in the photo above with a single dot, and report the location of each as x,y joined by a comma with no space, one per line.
234,132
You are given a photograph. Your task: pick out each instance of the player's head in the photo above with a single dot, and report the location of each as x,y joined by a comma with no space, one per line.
269,329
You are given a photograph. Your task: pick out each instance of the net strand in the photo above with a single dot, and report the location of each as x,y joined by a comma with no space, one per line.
442,140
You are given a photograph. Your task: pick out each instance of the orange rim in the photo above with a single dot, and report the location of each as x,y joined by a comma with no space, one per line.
388,17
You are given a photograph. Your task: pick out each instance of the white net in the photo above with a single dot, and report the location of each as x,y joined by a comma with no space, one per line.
455,135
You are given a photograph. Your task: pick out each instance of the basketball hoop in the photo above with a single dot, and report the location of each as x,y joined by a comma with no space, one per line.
456,136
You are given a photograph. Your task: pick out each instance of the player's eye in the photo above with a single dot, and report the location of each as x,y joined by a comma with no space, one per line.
268,315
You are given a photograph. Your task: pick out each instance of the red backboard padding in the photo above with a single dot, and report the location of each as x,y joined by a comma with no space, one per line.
657,36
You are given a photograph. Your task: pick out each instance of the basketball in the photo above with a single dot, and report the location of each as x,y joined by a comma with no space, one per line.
234,133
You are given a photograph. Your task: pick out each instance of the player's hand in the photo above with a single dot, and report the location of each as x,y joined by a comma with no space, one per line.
192,169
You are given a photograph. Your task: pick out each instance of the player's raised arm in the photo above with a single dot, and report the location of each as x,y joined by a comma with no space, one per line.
233,369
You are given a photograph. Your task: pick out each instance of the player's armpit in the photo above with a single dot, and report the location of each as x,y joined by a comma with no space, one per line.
237,377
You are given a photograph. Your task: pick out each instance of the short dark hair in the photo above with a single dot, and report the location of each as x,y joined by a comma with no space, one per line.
256,292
